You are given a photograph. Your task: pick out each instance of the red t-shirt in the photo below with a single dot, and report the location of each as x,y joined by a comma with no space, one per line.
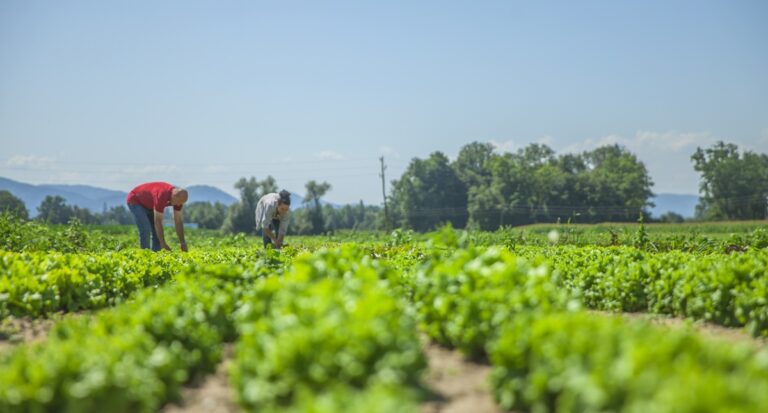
152,195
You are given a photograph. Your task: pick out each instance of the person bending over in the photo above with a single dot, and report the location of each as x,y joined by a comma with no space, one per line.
147,202
272,214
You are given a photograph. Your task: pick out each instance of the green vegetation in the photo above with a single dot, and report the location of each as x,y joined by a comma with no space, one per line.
333,323
130,359
578,362
291,342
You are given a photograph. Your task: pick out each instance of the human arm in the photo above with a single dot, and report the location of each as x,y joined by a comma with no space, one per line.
159,230
179,224
282,230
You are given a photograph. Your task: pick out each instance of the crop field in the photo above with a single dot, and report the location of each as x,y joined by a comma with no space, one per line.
556,318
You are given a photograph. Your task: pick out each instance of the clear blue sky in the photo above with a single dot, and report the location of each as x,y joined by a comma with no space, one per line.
116,93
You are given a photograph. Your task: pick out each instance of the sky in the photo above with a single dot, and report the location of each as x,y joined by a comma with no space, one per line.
114,94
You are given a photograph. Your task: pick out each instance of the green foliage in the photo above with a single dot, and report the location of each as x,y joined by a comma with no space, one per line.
730,290
291,343
240,216
205,214
355,217
130,359
346,399
533,185
36,284
430,193
11,205
314,209
587,363
463,299
734,185
19,235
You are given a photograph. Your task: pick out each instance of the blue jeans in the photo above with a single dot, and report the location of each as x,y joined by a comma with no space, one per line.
145,220
275,227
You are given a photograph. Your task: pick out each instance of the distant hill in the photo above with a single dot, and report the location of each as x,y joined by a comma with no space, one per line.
684,205
94,198
205,193
81,195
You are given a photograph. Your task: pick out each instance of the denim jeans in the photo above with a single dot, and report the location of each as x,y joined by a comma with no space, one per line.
145,220
275,227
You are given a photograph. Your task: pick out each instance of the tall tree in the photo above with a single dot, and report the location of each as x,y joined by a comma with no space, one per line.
471,164
315,191
241,215
206,215
54,210
13,205
430,193
117,215
733,185
619,184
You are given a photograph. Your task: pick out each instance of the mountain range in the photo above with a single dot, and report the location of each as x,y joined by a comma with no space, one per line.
97,199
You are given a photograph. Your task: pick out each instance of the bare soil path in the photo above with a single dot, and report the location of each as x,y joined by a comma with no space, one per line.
459,385
18,330
212,394
707,330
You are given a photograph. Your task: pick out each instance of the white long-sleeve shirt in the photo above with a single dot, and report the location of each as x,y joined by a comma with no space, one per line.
266,211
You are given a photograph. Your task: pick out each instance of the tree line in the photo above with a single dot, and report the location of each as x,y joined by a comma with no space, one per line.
482,189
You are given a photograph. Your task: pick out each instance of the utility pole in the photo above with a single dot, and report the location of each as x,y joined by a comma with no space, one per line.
384,194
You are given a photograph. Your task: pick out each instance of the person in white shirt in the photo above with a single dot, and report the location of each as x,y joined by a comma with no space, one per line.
272,214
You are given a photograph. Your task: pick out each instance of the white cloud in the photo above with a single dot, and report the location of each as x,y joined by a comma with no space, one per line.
388,151
30,161
506,146
672,140
666,155
329,155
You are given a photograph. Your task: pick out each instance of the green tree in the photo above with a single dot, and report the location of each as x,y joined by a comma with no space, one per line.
206,215
117,215
315,191
733,185
54,210
535,185
13,205
430,193
353,216
618,184
471,164
241,215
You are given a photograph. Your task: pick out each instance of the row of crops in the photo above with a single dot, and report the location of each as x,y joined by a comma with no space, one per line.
337,329
549,355
731,290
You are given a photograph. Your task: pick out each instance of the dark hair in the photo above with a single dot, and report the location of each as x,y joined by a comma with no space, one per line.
285,197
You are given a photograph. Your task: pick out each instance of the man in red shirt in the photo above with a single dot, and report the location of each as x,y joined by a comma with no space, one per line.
147,202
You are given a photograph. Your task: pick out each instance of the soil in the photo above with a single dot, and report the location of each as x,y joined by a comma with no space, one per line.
17,330
459,385
708,330
212,394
